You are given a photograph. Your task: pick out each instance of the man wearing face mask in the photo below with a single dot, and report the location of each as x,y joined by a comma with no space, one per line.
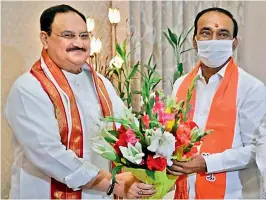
228,101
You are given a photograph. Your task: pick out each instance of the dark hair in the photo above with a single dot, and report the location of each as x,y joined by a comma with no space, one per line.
48,16
221,10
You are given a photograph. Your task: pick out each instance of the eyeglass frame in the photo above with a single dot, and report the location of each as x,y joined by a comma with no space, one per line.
73,34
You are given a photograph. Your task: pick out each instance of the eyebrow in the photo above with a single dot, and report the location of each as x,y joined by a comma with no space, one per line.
209,29
225,30
205,29
73,31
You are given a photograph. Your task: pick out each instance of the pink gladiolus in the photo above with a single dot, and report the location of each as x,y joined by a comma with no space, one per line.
146,120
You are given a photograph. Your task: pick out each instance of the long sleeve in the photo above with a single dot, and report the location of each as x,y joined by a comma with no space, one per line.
261,154
30,114
250,115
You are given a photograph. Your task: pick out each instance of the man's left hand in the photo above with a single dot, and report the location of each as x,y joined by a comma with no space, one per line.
196,164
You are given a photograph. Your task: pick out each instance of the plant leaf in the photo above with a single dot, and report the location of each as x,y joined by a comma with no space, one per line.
186,36
114,133
172,36
169,40
176,75
180,36
116,169
186,50
150,173
119,51
149,62
134,70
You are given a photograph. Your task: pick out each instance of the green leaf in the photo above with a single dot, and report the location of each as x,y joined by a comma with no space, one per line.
150,173
169,40
124,46
116,170
176,75
122,95
114,133
149,62
133,72
186,50
109,140
186,36
155,80
180,68
180,36
172,36
119,51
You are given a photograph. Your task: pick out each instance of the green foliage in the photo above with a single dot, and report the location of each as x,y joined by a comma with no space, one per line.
177,43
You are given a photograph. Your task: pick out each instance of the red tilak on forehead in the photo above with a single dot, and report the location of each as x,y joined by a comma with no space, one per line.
216,25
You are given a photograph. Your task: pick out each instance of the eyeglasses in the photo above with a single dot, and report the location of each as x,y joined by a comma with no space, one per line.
71,35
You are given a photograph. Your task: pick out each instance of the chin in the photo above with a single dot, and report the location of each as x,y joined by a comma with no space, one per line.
78,60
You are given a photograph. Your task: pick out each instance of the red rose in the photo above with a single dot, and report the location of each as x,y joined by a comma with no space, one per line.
158,164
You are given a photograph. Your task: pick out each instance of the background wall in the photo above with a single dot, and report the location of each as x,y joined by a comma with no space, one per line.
21,46
254,49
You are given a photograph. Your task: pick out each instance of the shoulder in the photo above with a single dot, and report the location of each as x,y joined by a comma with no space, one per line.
250,84
109,86
28,85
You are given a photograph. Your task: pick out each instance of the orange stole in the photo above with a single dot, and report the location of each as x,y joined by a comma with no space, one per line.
58,189
221,119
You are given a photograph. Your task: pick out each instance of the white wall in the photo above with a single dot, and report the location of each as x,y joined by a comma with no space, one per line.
254,50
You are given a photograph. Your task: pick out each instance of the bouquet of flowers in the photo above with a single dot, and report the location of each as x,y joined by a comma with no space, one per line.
146,144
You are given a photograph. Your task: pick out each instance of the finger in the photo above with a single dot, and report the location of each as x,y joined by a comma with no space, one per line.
181,164
144,186
149,192
176,168
173,172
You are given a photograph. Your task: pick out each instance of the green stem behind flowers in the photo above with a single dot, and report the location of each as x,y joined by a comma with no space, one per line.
188,105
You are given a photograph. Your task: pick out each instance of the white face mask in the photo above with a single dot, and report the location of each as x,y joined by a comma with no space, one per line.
214,53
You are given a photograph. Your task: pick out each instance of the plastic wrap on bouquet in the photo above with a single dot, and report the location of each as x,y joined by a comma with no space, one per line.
162,182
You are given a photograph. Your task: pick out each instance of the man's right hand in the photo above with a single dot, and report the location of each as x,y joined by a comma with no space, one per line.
129,187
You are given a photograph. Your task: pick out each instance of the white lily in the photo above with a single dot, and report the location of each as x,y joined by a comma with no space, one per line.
106,134
116,62
132,153
148,136
105,150
162,144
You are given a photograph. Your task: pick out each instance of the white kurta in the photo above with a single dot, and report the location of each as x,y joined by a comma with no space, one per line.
242,178
261,155
38,151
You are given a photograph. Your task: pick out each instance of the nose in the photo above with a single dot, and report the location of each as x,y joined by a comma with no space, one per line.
214,37
77,42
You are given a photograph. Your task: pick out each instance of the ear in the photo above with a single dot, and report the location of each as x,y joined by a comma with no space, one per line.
235,43
44,39
195,43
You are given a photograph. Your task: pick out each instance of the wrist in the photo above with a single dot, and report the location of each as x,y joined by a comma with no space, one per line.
117,188
111,187
100,182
